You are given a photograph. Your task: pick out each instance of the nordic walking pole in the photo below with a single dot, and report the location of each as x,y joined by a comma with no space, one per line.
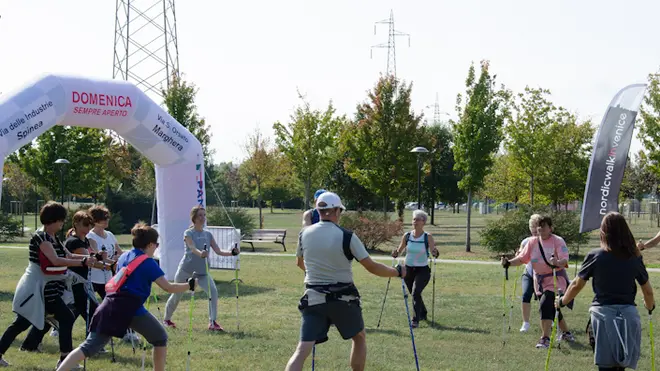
652,340
88,319
208,277
387,288
144,340
504,279
513,295
313,356
412,335
236,280
433,302
112,341
555,325
190,322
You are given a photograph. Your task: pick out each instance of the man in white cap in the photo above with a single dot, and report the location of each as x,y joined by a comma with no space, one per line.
325,252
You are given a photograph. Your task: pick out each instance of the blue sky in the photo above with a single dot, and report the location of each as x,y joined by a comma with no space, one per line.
249,57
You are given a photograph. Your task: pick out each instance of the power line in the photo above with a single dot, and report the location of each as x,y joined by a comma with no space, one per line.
391,44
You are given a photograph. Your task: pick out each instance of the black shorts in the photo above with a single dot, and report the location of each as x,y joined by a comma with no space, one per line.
316,320
547,306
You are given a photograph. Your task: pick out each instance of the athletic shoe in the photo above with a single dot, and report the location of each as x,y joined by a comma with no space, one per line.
54,333
214,326
524,327
169,323
131,337
415,324
544,343
566,336
4,363
38,350
103,351
74,368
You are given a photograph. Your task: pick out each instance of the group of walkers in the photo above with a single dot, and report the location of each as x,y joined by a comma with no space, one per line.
89,262
326,250
615,268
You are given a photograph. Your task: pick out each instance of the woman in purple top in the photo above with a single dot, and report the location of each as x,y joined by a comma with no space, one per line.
125,308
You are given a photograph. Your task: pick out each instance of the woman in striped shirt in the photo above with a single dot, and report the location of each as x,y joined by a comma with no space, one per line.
48,260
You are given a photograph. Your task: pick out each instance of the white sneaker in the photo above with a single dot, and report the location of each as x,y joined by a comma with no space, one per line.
131,336
74,368
525,327
54,333
4,363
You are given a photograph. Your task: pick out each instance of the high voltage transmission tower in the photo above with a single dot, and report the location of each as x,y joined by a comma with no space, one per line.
146,49
390,45
436,111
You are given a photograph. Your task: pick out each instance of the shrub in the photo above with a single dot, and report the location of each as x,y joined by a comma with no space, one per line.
243,220
503,236
373,228
10,227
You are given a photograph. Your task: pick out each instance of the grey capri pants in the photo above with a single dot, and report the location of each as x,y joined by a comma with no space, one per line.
146,325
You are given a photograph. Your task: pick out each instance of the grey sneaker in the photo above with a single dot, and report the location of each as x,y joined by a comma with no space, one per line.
544,343
4,363
566,336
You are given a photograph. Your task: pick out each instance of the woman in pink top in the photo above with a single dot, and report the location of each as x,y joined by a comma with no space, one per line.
555,251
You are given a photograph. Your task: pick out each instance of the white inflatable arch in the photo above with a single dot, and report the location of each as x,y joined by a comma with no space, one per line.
122,107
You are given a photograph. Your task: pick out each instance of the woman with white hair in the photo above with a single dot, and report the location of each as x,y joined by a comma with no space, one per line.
418,245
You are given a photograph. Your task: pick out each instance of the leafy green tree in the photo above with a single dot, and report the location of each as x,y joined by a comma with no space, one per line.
19,185
282,185
259,166
565,162
85,148
649,128
309,142
528,133
506,182
180,102
439,179
638,179
379,141
478,132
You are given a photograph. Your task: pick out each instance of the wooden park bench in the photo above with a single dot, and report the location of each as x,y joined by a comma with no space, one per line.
265,235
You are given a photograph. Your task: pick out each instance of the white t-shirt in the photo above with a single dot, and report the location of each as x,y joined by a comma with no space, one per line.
109,242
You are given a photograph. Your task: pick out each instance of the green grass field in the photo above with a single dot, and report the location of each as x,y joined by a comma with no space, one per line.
449,232
468,335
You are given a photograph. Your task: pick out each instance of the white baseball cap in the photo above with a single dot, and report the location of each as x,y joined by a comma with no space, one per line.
329,200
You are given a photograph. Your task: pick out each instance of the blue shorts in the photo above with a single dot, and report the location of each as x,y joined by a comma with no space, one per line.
527,288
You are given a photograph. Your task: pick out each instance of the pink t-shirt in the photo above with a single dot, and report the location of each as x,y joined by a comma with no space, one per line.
554,245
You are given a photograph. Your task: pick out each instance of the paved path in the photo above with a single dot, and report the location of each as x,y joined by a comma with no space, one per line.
377,257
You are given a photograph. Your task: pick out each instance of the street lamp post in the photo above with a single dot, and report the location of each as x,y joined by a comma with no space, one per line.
419,151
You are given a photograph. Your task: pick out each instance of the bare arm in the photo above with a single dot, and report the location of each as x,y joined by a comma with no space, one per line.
378,269
573,290
650,243
402,246
434,250
218,251
647,291
48,250
172,288
191,246
307,218
118,249
300,262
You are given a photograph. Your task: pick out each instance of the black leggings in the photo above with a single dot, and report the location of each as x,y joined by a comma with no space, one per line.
416,279
36,336
611,369
62,314
100,289
547,306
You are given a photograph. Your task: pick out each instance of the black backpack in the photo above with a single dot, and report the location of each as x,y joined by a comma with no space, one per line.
426,241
